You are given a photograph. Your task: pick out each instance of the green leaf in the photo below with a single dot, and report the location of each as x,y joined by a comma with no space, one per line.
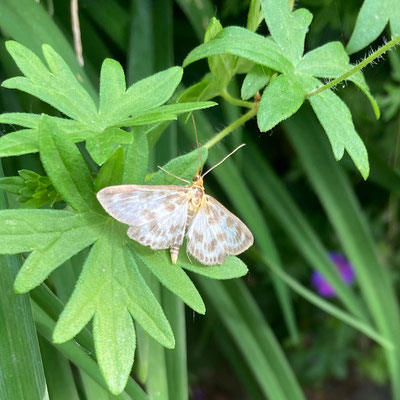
52,248
112,85
255,15
335,117
18,20
66,168
136,159
11,184
26,141
255,80
287,28
184,166
111,172
243,43
222,66
21,366
171,276
28,230
50,84
143,95
18,142
372,19
232,268
110,288
282,98
330,61
104,143
163,113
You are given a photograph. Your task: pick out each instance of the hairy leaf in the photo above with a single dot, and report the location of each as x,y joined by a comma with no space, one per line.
111,172
163,113
282,98
243,43
110,288
80,232
66,168
143,95
335,117
49,84
287,28
255,80
372,19
331,61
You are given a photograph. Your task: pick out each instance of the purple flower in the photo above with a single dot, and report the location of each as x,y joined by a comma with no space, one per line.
346,272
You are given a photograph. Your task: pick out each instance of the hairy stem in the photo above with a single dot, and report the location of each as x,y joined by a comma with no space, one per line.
230,128
358,67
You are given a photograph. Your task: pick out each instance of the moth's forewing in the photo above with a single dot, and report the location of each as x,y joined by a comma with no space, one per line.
156,214
215,233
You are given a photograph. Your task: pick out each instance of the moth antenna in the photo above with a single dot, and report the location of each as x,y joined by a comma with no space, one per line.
175,176
216,165
199,155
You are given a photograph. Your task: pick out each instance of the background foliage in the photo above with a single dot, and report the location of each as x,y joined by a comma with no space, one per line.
281,340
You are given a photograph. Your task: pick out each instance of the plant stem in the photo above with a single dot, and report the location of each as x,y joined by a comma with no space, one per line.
233,100
356,68
230,128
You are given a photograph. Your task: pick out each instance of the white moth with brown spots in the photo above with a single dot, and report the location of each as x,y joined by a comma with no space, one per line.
161,216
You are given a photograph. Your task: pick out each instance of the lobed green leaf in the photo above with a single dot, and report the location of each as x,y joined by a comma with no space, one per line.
136,159
104,143
111,172
143,95
165,113
184,166
232,268
281,99
56,86
112,85
171,276
243,43
80,232
287,28
331,61
110,288
66,168
335,117
28,230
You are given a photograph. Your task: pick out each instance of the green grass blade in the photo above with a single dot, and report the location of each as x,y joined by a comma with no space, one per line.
255,320
248,210
21,369
272,193
343,210
253,352
176,358
328,307
60,381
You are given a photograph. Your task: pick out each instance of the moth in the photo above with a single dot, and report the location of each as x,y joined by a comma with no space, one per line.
161,216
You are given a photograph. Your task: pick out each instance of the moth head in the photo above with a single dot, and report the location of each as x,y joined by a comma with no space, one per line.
198,180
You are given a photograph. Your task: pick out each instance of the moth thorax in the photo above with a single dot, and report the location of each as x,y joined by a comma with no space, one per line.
196,196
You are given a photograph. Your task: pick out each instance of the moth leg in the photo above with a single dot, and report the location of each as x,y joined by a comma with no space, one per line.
187,255
174,250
